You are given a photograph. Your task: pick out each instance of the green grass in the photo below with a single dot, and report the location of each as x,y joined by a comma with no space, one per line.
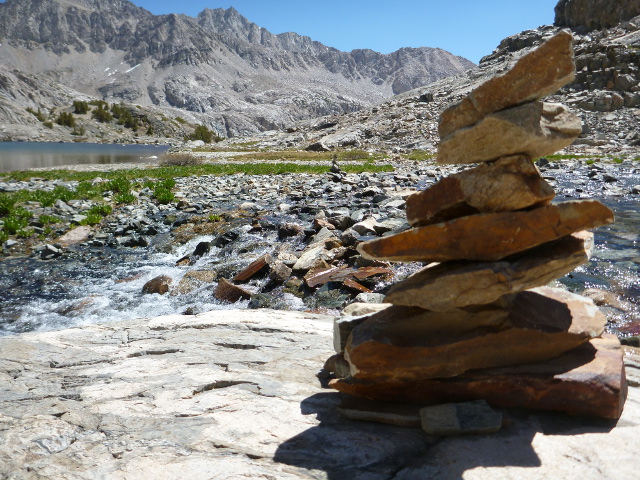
175,171
293,155
420,155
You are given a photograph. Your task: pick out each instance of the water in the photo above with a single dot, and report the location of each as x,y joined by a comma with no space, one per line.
103,284
25,155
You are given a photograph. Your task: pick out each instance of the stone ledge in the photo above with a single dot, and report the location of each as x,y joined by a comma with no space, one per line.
235,391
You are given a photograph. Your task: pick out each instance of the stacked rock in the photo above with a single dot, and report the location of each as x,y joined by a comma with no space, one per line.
480,324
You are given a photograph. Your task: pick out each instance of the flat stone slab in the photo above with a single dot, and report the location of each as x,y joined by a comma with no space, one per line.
588,380
459,284
488,236
460,418
509,183
119,401
408,343
541,72
534,129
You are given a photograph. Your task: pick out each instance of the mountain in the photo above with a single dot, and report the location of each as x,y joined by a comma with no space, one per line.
219,68
605,93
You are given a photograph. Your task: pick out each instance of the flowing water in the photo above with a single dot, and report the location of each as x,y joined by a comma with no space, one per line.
99,285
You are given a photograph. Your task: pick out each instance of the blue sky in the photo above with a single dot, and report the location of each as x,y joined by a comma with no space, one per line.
469,28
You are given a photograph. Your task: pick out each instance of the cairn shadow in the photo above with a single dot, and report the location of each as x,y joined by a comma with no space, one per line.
358,450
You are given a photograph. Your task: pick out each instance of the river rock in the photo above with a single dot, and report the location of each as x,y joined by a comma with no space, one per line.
228,292
541,72
254,268
588,380
76,235
194,279
408,343
503,234
159,285
534,129
509,183
458,284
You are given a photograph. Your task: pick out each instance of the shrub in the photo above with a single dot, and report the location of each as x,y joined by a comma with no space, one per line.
66,119
48,219
119,185
101,209
48,124
6,203
14,222
203,133
125,198
91,219
80,107
164,195
101,114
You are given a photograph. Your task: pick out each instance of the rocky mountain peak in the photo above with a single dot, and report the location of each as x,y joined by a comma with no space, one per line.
218,68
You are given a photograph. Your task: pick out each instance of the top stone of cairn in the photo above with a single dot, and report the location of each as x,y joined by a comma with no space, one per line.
536,75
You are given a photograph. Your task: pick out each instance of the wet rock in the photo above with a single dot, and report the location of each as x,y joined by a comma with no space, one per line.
290,230
48,251
254,268
279,272
159,285
228,292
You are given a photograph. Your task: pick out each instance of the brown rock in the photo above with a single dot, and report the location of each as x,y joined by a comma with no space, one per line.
534,129
228,292
279,272
408,343
253,268
510,183
588,380
488,236
158,285
458,284
192,280
536,75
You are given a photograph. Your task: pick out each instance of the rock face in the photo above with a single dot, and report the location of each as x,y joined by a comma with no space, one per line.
235,392
477,309
219,68
594,14
606,80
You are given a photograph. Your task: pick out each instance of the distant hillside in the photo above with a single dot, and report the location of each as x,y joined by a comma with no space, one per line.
219,68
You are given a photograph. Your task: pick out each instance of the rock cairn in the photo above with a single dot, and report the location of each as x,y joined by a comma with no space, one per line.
480,324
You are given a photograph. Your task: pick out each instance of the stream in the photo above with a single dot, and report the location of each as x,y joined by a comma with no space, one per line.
104,284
